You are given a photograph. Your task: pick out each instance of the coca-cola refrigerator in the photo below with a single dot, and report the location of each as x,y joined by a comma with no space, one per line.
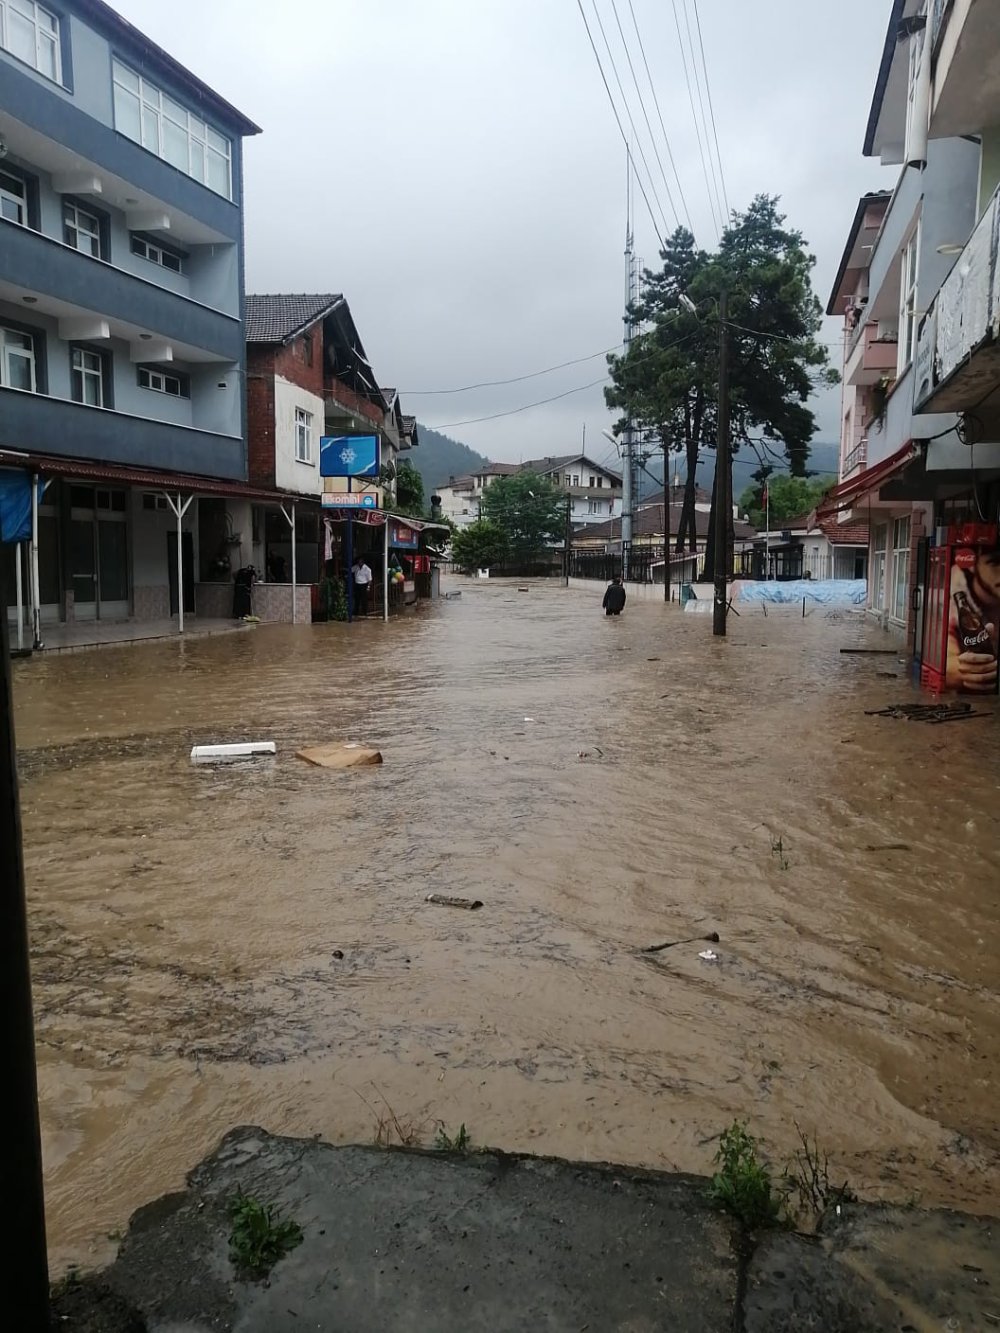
961,631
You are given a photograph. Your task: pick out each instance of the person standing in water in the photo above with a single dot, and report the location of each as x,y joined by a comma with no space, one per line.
614,598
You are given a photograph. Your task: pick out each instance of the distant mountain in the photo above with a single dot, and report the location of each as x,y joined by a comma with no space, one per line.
437,457
824,461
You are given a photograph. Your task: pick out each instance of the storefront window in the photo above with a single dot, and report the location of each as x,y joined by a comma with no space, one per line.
900,567
878,567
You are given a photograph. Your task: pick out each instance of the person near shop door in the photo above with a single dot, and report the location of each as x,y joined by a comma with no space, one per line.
362,586
974,621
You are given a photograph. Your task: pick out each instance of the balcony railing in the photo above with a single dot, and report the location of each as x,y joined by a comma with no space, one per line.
957,361
858,457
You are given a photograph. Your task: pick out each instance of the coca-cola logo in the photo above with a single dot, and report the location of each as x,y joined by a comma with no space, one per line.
974,640
965,558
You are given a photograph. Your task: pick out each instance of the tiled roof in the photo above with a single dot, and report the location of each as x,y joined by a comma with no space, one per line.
560,461
844,534
276,319
648,522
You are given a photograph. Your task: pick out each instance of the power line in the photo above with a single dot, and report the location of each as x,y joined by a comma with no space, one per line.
494,416
628,112
618,118
656,103
704,117
711,107
694,116
642,105
516,379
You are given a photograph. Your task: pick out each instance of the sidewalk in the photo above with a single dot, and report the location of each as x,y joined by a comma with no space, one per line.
87,634
413,1242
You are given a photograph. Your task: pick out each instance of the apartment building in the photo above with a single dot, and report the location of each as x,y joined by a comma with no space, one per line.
122,353
920,451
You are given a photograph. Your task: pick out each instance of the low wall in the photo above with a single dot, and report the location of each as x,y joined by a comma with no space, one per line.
636,592
271,601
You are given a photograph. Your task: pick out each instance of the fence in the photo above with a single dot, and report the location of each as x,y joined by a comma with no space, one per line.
608,566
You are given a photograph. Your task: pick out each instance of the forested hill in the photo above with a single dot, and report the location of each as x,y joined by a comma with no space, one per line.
437,457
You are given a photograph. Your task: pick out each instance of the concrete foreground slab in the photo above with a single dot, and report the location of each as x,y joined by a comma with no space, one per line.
416,1242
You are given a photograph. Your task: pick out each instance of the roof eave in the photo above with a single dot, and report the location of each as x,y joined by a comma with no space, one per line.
137,40
882,82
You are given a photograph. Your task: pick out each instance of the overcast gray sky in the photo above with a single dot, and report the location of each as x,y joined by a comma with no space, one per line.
453,166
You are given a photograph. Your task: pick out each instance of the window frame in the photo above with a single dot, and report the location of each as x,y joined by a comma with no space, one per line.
149,243
104,371
29,184
304,431
38,361
909,284
22,203
158,110
900,569
154,372
54,34
81,206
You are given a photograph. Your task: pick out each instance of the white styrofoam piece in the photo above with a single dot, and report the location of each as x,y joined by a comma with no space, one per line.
207,754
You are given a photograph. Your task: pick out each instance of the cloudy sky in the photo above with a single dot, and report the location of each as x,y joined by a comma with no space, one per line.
454,167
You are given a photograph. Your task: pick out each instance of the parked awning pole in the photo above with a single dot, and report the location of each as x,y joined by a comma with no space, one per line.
36,608
385,573
18,576
180,509
290,520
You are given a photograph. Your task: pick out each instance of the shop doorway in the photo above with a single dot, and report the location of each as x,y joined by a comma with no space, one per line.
97,553
187,561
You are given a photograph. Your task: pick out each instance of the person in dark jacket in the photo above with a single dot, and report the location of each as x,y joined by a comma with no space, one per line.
614,598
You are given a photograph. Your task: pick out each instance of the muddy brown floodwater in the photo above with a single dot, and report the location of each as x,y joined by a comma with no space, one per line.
187,922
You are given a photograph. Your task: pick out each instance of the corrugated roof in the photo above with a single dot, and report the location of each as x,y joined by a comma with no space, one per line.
648,522
279,318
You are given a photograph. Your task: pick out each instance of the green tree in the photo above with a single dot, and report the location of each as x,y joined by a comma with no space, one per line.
479,546
668,381
409,490
530,511
788,498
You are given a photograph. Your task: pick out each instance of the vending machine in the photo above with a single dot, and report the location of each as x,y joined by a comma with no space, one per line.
961,618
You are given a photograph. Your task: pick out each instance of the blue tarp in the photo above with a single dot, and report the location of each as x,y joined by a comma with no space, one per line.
828,592
15,506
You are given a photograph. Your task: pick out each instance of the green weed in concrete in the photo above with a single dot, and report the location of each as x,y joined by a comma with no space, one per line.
742,1185
260,1237
445,1142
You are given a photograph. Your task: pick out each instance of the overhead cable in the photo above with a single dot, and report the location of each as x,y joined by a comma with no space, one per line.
618,119
711,109
697,127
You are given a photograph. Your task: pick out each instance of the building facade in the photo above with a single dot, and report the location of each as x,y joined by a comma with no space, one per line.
594,491
920,447
121,305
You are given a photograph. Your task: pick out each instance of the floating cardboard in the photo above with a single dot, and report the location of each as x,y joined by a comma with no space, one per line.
340,754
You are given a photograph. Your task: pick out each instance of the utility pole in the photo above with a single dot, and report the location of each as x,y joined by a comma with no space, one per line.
722,476
667,499
568,539
25,1261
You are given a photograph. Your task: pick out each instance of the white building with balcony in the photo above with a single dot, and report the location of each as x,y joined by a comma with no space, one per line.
919,292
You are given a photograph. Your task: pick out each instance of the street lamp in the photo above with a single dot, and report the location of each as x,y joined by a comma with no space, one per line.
627,496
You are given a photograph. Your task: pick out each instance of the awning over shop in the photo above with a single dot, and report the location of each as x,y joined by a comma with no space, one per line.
849,492
50,465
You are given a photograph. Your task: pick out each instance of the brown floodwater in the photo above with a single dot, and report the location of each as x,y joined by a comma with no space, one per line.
187,921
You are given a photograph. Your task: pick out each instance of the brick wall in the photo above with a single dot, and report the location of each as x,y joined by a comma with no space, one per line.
260,414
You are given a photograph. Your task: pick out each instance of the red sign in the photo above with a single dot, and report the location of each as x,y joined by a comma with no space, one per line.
965,558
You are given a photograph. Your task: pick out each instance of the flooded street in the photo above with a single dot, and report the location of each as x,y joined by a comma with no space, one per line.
185,919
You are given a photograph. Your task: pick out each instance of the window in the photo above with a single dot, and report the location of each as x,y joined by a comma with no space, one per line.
307,349
303,436
150,500
900,568
157,253
82,230
908,301
599,482
88,377
13,199
160,381
576,478
32,34
17,363
149,117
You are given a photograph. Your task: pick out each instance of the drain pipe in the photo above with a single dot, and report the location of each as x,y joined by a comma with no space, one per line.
36,595
18,576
